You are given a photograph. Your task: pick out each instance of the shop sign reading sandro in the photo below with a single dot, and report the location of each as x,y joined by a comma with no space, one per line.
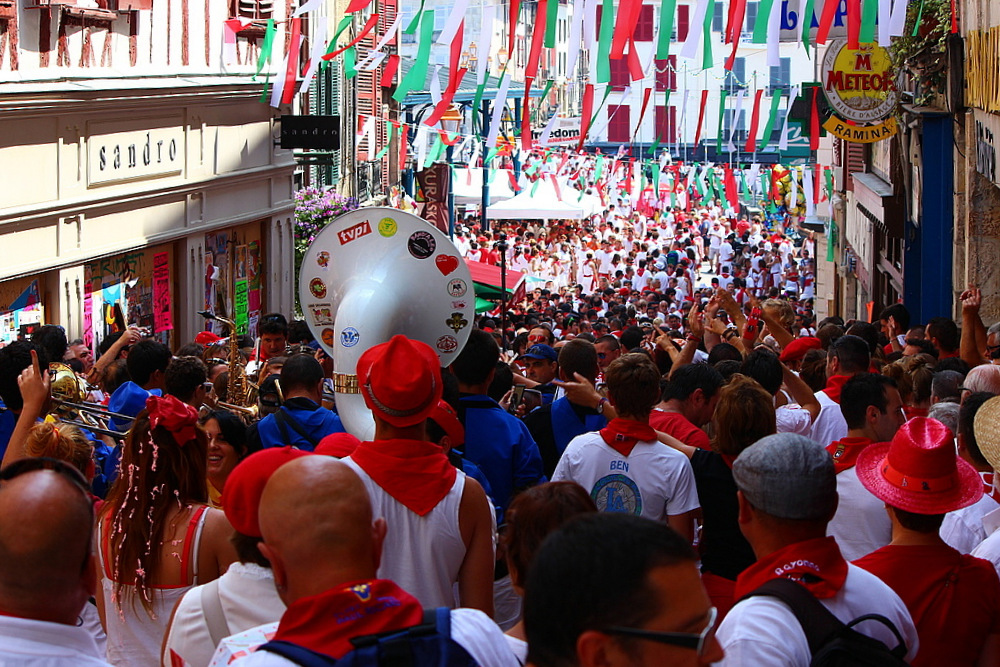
860,87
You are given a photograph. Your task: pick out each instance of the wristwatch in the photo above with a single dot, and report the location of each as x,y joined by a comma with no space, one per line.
600,405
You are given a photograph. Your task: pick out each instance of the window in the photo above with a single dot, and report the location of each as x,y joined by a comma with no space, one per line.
779,123
619,126
727,125
780,76
666,124
737,78
253,9
620,77
717,17
682,23
666,74
750,19
644,28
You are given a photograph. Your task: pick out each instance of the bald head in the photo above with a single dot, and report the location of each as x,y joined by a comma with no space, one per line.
316,519
45,526
983,378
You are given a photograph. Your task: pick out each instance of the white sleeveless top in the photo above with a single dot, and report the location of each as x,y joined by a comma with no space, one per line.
422,554
134,637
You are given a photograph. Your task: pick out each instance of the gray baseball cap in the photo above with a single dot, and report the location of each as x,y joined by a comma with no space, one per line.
788,476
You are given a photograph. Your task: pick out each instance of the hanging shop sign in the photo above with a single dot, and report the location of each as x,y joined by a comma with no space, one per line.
858,84
312,132
987,129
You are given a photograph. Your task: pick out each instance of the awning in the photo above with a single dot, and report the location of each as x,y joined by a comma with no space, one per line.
486,279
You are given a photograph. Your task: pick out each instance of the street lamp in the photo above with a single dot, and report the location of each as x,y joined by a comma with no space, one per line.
451,121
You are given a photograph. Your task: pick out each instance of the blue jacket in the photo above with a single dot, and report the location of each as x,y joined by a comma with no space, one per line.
316,421
500,444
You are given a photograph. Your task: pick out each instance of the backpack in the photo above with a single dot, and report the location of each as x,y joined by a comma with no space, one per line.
833,643
428,644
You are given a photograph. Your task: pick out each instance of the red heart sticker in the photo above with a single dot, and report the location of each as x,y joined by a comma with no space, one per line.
446,263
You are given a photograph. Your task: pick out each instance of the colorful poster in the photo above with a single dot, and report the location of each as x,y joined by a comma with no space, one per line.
162,315
241,310
253,267
241,262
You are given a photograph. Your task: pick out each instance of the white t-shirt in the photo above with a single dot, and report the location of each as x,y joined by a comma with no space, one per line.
963,529
654,480
829,424
31,643
763,631
861,524
793,418
472,629
989,549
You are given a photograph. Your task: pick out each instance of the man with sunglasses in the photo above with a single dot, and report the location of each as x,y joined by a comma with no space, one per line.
652,609
46,566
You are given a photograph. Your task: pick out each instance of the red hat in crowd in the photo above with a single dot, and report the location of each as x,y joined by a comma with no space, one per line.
797,349
337,445
445,416
400,380
206,338
919,470
245,485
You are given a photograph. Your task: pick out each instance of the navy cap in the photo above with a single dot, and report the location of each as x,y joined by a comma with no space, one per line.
541,351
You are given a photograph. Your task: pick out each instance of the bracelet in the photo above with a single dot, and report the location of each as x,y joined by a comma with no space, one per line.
693,338
600,405
729,332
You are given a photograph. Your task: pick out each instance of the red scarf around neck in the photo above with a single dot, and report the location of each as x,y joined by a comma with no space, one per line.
834,385
816,564
845,452
327,622
414,472
622,435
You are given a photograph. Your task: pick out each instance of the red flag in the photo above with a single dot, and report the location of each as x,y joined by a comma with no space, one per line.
537,37
826,21
754,122
368,27
732,193
817,171
357,6
737,14
389,72
588,110
634,66
288,93
402,143
813,120
555,184
513,182
447,97
526,139
515,9
701,117
642,114
853,23
628,17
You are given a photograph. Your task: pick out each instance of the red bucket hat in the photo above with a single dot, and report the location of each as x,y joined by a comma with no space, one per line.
245,485
919,470
400,380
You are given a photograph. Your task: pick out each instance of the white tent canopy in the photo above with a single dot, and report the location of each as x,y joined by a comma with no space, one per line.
543,205
468,186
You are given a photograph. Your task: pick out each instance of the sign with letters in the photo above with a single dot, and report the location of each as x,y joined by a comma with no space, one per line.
116,154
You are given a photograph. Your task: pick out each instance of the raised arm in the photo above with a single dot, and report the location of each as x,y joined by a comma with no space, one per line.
34,386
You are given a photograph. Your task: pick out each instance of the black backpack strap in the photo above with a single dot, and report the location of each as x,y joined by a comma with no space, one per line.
284,420
298,654
818,623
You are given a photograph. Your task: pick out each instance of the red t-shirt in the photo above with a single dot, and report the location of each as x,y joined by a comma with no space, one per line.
954,599
675,424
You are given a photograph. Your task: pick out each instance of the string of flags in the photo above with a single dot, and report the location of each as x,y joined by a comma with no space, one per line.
611,39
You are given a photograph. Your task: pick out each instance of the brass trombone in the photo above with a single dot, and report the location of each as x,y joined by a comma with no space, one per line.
68,393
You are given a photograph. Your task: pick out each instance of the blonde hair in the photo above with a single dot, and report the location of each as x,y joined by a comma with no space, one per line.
61,441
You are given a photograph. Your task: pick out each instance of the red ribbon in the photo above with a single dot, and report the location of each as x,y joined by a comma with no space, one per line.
368,27
732,192
853,23
826,21
755,121
628,17
390,71
288,92
588,110
814,117
701,116
357,6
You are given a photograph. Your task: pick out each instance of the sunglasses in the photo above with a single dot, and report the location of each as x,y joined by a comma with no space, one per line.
697,641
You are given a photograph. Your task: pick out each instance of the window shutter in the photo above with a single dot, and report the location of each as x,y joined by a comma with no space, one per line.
620,127
644,29
620,77
855,162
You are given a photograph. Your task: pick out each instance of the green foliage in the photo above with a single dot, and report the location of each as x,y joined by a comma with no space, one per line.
922,50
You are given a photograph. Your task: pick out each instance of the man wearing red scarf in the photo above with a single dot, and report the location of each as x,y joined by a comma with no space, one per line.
325,548
623,465
787,494
847,356
872,407
415,488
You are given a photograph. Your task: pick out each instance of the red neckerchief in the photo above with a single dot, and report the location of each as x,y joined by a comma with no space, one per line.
816,564
414,472
834,385
326,623
622,435
910,411
845,452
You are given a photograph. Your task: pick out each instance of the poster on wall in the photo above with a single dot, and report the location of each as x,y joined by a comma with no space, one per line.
162,316
20,308
233,278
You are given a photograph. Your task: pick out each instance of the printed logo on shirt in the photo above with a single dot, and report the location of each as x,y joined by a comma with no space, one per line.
363,591
617,493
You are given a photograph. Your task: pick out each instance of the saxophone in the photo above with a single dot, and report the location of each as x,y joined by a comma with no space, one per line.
241,393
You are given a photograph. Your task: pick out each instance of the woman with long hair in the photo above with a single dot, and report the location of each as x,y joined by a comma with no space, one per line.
156,535
227,446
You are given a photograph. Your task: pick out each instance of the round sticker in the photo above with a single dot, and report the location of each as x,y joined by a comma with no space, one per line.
421,244
323,259
447,343
457,287
387,227
349,337
327,337
318,288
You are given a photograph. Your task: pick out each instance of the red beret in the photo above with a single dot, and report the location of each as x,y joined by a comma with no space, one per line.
797,349
206,338
337,445
245,485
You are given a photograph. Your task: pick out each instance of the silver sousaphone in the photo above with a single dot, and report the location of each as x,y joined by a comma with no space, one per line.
371,274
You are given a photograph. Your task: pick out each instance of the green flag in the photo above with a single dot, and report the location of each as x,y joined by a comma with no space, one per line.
771,120
604,41
667,10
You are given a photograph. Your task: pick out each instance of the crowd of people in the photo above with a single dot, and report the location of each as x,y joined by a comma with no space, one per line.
654,456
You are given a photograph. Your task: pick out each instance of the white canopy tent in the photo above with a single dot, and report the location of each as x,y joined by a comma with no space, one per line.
543,205
468,186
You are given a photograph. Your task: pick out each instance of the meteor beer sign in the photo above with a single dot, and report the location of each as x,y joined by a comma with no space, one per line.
860,87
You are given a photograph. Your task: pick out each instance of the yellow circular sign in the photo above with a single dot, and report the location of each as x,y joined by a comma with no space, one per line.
859,83
387,227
